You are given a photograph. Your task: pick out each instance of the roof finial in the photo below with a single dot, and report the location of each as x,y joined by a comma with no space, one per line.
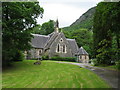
57,23
57,26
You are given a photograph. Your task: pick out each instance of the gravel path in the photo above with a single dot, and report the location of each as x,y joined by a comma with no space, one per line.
110,76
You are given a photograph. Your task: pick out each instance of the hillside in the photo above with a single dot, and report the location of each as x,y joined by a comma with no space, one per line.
81,30
84,21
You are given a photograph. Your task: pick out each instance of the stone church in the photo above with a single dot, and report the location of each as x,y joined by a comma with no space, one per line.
56,44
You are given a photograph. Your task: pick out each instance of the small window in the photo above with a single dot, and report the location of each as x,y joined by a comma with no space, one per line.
35,51
80,57
85,56
25,52
61,40
40,52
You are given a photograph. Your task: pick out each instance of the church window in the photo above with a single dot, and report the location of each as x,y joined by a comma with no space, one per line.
58,48
61,40
40,52
64,48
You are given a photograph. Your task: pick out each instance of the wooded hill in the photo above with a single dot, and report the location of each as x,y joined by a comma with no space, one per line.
81,30
84,21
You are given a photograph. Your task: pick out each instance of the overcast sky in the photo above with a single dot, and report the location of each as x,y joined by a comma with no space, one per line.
67,11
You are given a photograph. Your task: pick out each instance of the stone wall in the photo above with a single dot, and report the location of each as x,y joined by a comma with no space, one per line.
61,40
83,58
34,53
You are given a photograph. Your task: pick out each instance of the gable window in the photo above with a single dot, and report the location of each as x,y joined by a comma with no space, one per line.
64,49
61,40
58,48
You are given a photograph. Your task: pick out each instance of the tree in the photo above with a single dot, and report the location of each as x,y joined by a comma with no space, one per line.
18,19
105,52
47,27
83,38
115,26
37,30
106,27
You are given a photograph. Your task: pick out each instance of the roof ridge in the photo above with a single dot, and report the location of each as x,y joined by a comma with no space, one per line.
40,35
70,39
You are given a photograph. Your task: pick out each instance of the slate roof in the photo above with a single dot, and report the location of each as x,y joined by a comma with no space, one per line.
82,51
52,38
38,41
51,34
44,41
73,45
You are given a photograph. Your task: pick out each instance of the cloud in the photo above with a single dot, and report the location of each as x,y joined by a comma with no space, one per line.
58,1
66,12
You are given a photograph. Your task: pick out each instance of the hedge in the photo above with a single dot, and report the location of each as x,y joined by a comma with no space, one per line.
45,57
71,59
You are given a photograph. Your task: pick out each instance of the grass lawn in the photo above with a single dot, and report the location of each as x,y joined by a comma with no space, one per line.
50,75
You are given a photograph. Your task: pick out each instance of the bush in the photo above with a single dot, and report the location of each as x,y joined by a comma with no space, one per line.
94,62
34,59
46,57
104,52
19,56
117,64
71,59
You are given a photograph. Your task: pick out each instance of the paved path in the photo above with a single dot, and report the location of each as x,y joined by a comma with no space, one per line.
110,76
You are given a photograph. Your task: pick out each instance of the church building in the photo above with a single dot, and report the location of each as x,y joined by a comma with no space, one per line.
56,44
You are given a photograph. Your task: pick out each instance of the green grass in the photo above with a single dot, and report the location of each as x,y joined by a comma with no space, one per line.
50,75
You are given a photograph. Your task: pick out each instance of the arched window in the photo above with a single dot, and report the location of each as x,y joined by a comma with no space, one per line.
40,52
64,48
58,47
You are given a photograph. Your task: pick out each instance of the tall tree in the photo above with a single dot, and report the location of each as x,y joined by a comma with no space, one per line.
18,19
105,27
115,26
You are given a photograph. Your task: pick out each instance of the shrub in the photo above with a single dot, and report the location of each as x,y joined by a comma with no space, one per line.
45,57
94,62
19,56
118,64
71,59
34,59
104,52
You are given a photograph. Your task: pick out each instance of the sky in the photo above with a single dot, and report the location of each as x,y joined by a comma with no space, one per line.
66,11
